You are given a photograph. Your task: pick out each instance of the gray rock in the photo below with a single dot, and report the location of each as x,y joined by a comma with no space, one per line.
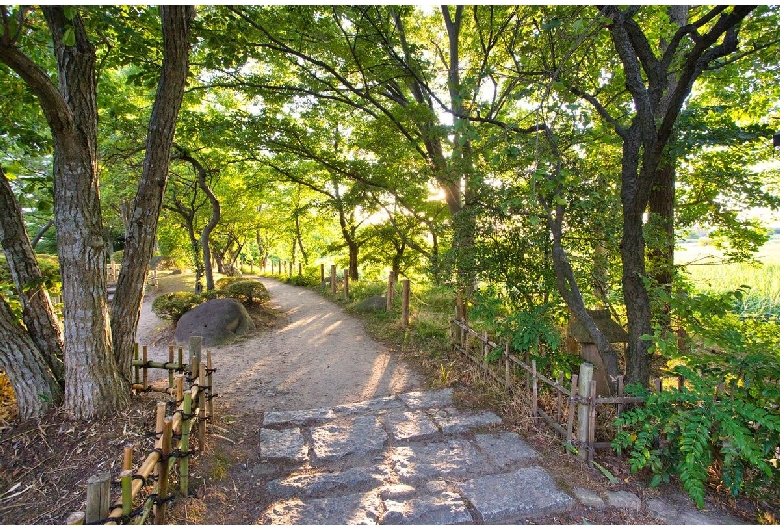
409,426
453,421
445,509
288,444
218,321
505,448
510,497
588,497
297,417
373,303
623,500
419,462
322,484
348,436
427,399
370,406
358,508
397,492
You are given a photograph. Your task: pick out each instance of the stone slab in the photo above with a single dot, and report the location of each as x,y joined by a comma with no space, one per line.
510,497
452,421
357,508
372,406
427,399
409,426
448,508
623,500
297,417
338,439
505,448
588,497
287,443
452,458
321,484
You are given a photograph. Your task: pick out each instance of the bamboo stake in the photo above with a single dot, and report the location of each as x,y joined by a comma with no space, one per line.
195,345
181,358
98,496
162,474
572,407
144,371
210,385
535,386
126,478
202,410
592,423
346,284
127,460
148,505
333,279
390,290
184,464
322,274
405,302
170,363
586,376
300,269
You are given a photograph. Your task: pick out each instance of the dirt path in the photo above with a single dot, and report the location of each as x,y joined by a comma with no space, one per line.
317,357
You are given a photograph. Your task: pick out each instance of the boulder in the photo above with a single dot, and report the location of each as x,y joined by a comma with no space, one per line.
218,321
373,303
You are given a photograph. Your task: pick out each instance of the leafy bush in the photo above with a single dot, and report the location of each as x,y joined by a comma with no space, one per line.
309,278
727,416
172,306
248,291
222,283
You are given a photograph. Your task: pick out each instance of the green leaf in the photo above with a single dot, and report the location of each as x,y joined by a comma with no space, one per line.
69,38
70,12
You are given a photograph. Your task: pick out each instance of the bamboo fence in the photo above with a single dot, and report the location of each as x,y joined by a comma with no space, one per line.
191,409
521,378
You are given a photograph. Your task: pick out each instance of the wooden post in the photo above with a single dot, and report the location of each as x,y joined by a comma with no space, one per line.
136,369
390,290
272,267
181,358
485,349
144,370
300,269
583,412
162,473
346,284
592,422
184,462
202,407
75,518
170,370
98,497
405,302
333,279
322,274
195,345
570,420
535,391
210,385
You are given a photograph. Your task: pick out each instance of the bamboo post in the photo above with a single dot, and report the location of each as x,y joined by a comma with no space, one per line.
322,274
586,376
535,391
210,385
170,370
126,478
144,370
333,279
592,423
136,369
559,398
484,349
162,473
98,497
75,518
300,269
507,376
202,407
346,284
184,463
195,346
181,358
390,290
159,420
127,457
179,396
572,400
405,302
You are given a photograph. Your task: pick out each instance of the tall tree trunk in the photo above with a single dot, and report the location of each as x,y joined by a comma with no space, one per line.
141,229
35,386
38,314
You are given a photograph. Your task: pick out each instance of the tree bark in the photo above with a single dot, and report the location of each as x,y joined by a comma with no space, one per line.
141,228
37,311
35,386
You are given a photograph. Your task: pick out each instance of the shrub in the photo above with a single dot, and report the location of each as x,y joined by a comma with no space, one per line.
309,278
172,306
222,283
248,291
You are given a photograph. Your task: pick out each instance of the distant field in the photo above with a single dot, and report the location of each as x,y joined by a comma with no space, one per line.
709,274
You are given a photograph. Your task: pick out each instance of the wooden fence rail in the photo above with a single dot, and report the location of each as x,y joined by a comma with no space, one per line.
521,378
191,409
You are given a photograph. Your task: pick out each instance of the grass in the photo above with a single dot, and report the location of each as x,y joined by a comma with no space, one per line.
709,273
